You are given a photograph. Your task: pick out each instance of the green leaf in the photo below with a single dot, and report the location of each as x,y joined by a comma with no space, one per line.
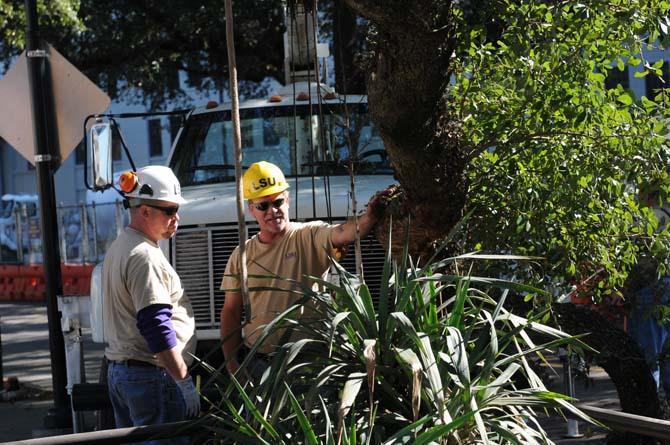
442,431
625,99
307,430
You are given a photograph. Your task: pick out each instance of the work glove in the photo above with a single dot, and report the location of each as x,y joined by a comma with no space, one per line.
191,396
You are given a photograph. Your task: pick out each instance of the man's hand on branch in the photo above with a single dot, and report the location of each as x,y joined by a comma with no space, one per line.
378,203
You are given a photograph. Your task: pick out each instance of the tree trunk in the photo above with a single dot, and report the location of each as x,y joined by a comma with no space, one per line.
408,73
620,356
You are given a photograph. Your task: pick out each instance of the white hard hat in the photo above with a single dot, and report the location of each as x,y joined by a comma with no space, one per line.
154,182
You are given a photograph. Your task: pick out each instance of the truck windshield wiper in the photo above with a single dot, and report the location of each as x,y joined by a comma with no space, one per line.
214,167
213,180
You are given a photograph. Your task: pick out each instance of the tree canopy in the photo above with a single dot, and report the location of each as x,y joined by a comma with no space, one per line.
517,118
136,50
560,156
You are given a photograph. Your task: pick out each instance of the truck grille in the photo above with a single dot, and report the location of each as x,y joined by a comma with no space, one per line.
199,255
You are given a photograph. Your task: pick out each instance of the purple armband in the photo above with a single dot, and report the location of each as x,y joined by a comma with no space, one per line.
155,325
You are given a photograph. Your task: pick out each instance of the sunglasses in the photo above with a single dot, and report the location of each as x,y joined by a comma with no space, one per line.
263,206
168,211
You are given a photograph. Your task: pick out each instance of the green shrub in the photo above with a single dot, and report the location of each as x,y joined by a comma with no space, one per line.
436,359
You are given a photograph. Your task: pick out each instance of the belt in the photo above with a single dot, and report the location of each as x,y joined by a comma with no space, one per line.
135,363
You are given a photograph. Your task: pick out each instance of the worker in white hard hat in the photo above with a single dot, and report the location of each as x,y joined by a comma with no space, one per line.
284,249
148,319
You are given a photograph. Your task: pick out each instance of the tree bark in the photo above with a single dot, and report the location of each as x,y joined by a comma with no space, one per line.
408,74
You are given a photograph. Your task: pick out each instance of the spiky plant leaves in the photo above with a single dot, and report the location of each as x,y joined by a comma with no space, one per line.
408,357
445,348
305,425
457,355
251,408
328,437
370,357
408,433
349,393
434,378
441,431
500,381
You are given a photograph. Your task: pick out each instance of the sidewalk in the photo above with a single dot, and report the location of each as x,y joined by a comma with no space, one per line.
597,391
25,355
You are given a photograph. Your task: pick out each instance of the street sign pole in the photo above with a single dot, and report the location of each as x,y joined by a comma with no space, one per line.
46,162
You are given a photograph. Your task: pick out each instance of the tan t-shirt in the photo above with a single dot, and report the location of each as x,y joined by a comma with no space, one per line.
303,250
136,274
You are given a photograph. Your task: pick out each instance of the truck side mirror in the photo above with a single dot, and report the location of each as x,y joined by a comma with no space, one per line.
101,155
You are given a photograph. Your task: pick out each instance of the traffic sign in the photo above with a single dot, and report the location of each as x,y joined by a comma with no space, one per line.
75,97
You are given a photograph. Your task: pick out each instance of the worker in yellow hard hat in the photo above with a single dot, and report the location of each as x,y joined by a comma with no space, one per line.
281,249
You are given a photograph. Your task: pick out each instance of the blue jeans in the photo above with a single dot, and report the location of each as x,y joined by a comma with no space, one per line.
648,333
145,396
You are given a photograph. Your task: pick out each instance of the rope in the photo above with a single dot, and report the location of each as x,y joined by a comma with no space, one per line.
291,13
352,154
237,139
311,137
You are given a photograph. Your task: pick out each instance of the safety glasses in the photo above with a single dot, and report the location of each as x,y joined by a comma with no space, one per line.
168,211
263,206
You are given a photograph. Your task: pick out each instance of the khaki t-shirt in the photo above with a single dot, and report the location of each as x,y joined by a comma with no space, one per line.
135,275
303,250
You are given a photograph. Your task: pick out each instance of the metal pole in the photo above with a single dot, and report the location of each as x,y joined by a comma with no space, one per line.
94,226
19,234
83,226
569,385
118,218
61,227
46,162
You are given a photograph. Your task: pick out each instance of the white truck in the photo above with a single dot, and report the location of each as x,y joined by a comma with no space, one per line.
305,128
312,149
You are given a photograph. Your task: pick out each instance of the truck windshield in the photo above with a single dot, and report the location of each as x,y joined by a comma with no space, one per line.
299,143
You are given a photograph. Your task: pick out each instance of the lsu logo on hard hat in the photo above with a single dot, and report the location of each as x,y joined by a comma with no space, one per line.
263,179
264,182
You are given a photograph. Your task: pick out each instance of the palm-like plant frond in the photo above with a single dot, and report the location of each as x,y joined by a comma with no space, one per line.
436,359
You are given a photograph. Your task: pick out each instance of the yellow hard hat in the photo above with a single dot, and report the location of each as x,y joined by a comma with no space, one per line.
263,179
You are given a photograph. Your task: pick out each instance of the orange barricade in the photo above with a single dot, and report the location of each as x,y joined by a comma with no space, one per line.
27,282
76,278
34,286
8,276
